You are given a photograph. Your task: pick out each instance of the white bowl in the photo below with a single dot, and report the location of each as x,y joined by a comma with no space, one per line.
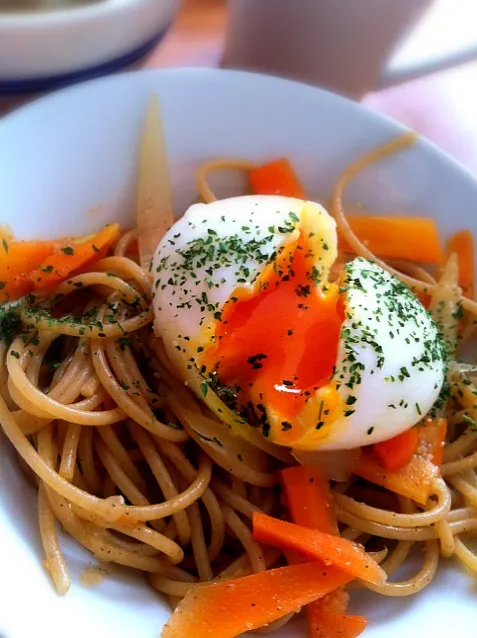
42,50
78,149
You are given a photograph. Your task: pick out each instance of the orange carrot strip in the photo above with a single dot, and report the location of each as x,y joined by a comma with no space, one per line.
14,289
424,298
229,608
344,554
462,243
309,498
326,618
413,238
310,504
397,452
73,256
414,480
17,259
276,178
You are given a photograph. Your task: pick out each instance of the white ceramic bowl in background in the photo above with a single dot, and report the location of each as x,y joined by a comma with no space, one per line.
42,50
70,152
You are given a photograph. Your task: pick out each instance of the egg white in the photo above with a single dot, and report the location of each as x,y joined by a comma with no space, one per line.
390,365
251,229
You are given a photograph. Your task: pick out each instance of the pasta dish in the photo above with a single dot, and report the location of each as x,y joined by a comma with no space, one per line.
261,405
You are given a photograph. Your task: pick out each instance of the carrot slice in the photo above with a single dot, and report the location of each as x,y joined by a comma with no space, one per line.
326,618
229,608
276,178
17,259
413,238
414,480
310,504
424,298
344,554
462,243
14,289
73,256
309,498
397,452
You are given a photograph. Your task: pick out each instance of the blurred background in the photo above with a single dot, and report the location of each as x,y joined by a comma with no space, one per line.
414,60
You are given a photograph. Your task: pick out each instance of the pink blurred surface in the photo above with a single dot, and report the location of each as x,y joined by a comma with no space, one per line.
441,106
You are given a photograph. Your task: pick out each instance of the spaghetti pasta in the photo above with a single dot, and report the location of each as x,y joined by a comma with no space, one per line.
128,461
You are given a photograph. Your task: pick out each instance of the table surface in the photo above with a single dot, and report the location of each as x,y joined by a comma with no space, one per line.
441,106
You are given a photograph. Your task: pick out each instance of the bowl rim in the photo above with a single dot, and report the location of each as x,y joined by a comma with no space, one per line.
186,74
56,82
421,140
31,19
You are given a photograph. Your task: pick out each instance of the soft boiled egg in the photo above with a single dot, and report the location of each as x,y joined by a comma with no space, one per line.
245,292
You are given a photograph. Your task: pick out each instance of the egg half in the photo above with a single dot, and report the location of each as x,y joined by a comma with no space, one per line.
316,354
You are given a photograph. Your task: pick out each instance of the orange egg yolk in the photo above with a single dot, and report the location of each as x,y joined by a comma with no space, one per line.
279,342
